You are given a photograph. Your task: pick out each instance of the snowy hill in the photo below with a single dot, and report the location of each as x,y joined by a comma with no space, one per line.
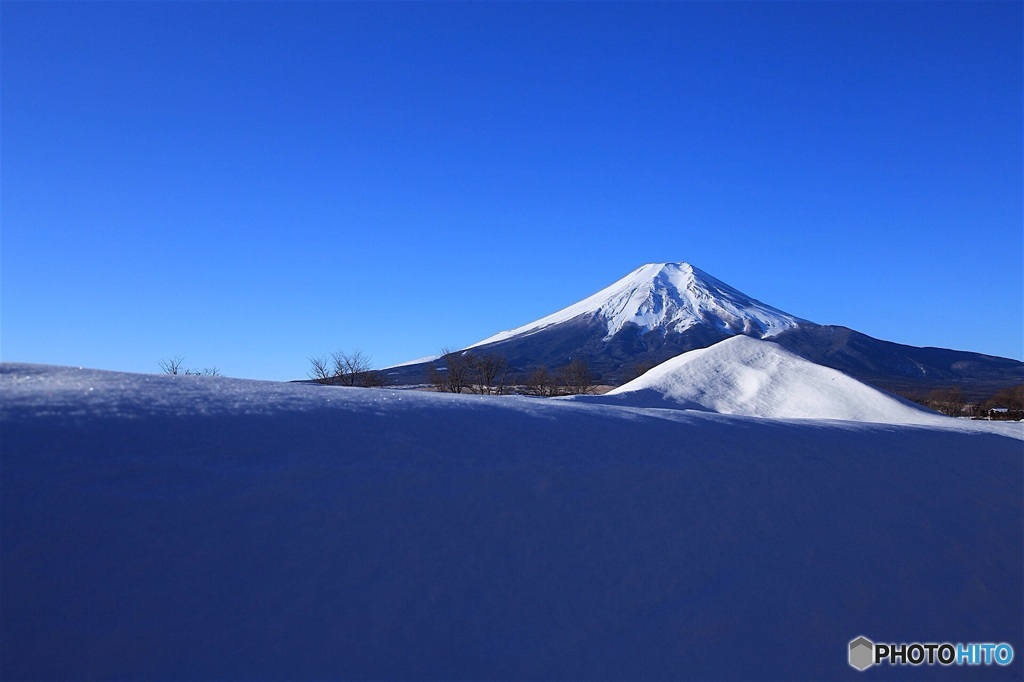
746,376
159,527
671,297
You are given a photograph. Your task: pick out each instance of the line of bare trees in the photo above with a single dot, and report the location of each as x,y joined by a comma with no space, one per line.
483,374
346,369
1008,403
572,379
458,371
176,365
490,374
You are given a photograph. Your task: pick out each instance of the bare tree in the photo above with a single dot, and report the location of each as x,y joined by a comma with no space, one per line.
453,375
488,373
172,365
346,369
540,383
948,401
575,378
320,370
1011,398
350,367
175,365
1007,404
357,370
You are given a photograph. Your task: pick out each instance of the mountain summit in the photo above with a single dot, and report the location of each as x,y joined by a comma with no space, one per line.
667,297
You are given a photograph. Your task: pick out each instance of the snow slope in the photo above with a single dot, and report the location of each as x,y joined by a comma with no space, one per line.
157,527
669,296
741,375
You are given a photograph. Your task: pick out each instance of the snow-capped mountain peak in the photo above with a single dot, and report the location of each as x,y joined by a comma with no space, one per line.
671,297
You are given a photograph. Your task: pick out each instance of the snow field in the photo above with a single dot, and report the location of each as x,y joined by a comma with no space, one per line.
208,528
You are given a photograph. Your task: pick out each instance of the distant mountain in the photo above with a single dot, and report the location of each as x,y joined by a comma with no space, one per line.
661,310
900,368
668,298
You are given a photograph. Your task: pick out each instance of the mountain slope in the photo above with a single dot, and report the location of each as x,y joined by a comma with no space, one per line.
898,367
747,376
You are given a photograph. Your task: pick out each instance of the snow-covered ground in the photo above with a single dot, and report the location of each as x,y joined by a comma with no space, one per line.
742,375
157,527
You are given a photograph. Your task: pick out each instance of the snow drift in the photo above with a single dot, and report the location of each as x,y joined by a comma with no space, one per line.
156,527
741,375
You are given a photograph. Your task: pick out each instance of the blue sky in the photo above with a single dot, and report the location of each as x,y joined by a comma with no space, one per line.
249,184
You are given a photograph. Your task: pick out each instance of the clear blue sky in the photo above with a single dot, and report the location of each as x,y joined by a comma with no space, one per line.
249,184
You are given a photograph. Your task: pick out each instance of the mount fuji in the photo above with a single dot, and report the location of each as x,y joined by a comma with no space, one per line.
670,298
661,310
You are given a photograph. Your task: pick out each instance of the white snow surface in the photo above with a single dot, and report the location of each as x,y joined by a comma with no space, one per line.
669,296
747,376
184,527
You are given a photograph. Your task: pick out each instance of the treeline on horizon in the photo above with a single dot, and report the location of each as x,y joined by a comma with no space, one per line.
457,371
1007,403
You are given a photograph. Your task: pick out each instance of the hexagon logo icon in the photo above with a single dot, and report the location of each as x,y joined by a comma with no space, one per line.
862,653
